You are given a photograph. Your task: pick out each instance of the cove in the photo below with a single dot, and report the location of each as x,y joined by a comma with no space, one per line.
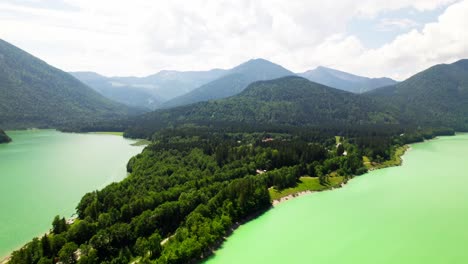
44,173
415,213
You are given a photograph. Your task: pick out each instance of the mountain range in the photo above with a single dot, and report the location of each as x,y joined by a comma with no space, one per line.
150,91
35,94
119,92
290,100
168,89
345,81
233,82
436,97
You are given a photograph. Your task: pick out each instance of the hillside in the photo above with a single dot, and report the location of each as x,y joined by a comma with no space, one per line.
150,91
345,81
434,97
4,138
233,82
288,101
35,94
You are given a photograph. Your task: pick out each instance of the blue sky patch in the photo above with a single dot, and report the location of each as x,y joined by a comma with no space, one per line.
384,28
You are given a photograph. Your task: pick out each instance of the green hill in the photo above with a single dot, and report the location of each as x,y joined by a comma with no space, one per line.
287,101
233,82
35,94
4,138
437,96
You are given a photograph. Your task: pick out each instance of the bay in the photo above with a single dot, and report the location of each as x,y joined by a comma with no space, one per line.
44,173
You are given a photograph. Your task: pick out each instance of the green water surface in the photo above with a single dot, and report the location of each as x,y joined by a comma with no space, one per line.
416,213
44,173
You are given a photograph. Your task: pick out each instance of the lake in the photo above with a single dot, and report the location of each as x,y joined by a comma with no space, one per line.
44,173
415,213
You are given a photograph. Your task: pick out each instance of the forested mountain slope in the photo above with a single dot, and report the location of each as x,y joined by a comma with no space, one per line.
437,96
35,94
289,100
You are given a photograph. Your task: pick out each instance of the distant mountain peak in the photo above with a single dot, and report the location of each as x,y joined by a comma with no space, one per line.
232,82
462,63
321,68
259,62
344,80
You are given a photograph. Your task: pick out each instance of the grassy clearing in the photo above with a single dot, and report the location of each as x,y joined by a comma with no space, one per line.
394,161
109,133
306,184
313,184
337,139
366,161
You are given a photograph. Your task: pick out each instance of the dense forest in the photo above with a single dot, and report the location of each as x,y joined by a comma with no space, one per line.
4,138
193,184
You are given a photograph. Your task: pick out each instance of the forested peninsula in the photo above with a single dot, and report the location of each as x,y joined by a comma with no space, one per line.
4,138
193,184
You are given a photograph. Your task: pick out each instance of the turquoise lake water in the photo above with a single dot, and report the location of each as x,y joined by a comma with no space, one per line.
44,173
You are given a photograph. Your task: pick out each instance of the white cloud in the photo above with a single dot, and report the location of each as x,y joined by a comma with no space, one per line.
444,41
140,37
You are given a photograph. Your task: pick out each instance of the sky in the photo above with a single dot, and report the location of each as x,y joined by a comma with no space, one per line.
374,38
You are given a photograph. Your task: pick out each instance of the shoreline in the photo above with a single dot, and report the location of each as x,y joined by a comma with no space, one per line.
5,259
274,203
399,158
399,162
211,251
289,197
